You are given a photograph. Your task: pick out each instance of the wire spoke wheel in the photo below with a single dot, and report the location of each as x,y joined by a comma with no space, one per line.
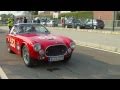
25,54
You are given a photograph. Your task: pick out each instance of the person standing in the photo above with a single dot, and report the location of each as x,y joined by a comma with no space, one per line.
10,23
18,20
25,20
38,20
63,22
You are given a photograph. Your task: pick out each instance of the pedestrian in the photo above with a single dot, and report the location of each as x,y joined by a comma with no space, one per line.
63,22
38,20
10,23
25,20
18,20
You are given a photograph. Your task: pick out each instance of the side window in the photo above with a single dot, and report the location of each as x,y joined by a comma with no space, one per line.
13,30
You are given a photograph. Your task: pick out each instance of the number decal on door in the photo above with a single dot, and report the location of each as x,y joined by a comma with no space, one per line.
12,42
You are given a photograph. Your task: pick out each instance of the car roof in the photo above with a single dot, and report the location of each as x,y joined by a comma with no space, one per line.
27,24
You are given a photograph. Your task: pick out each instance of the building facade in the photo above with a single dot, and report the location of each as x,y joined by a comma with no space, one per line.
108,17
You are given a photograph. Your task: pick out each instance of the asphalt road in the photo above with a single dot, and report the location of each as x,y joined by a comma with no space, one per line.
85,63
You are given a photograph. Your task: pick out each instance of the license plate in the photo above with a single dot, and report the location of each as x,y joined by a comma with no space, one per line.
58,58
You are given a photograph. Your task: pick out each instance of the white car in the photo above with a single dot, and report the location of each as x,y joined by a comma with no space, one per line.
50,23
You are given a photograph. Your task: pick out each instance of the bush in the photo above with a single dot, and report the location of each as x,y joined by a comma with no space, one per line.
78,14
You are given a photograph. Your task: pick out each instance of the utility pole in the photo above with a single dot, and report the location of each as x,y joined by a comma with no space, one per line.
30,16
114,21
92,20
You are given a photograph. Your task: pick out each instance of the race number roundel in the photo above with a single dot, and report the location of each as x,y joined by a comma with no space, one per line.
12,42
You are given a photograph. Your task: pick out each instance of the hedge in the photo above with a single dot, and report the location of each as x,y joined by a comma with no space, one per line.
78,14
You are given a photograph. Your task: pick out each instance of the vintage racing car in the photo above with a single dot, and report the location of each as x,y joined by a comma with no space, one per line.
35,43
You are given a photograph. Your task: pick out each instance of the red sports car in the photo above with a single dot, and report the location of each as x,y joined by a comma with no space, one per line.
35,43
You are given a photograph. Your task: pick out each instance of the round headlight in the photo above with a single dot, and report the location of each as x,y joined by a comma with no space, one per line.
72,45
37,47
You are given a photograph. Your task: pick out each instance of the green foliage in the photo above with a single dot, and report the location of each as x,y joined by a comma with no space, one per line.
34,12
5,16
78,14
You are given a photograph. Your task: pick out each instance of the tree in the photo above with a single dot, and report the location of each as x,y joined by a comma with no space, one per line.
34,12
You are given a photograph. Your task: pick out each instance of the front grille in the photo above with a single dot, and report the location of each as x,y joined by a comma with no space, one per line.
56,50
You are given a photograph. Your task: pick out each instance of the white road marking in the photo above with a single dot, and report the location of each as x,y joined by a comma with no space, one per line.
2,74
77,43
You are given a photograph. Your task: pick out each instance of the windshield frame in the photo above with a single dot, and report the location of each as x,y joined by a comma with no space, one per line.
27,25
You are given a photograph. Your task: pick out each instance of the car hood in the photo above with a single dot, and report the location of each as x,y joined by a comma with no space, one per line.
44,39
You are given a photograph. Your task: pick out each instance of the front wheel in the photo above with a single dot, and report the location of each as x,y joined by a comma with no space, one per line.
102,28
67,59
26,57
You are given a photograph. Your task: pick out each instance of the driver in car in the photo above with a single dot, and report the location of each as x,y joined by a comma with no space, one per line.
32,29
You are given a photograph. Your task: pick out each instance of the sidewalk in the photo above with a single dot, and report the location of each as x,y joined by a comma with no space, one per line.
103,40
4,28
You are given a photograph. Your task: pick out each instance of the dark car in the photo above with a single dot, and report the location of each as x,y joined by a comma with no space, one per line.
74,23
94,24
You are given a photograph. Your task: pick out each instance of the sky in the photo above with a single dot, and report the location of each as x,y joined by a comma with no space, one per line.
16,13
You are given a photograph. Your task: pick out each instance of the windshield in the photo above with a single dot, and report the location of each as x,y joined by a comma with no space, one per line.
32,28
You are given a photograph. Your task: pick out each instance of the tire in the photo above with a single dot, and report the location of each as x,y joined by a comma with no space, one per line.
66,60
102,27
26,57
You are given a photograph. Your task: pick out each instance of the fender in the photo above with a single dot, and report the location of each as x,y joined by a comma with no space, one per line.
24,43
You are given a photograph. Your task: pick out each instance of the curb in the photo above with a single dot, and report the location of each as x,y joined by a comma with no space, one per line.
81,30
88,30
99,46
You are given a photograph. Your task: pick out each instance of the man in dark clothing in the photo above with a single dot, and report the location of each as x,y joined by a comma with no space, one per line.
25,20
38,21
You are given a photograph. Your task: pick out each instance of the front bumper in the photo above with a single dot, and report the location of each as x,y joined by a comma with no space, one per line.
47,58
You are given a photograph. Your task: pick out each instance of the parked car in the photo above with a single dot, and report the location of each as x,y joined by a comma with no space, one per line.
35,43
43,21
74,23
52,23
94,24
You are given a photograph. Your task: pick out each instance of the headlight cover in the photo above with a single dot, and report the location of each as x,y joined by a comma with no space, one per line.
72,45
37,47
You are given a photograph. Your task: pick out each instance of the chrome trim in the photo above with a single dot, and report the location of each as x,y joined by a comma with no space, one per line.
55,56
56,45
